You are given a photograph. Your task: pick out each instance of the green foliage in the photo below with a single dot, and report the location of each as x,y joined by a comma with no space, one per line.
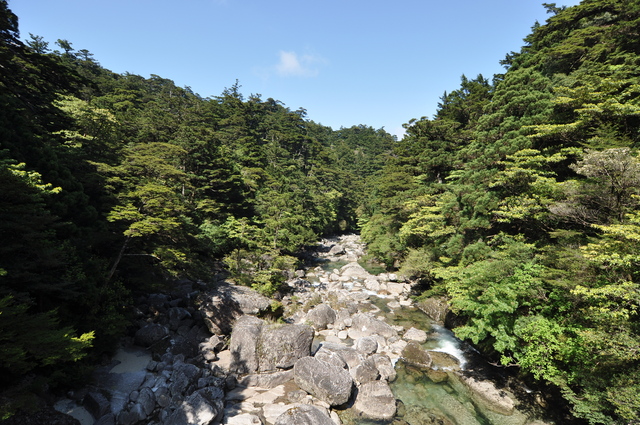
519,202
30,341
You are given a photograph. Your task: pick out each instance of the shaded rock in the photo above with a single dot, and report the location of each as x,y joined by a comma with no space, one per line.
177,315
151,334
244,339
108,419
323,380
304,415
248,300
415,355
320,316
147,400
225,304
96,403
280,347
374,400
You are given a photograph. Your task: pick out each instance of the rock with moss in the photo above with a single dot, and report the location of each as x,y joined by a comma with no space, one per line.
279,346
415,355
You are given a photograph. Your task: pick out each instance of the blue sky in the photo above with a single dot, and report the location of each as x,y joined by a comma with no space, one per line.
347,62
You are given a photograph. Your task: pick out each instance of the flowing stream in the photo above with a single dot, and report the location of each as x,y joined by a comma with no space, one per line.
425,399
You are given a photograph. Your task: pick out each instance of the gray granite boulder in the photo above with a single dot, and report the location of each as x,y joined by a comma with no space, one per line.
436,308
374,400
195,410
279,347
413,334
320,316
244,340
365,372
305,414
385,367
349,355
366,345
222,306
365,325
325,381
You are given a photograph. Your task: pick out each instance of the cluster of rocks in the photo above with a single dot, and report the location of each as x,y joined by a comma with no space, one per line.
177,337
335,355
330,359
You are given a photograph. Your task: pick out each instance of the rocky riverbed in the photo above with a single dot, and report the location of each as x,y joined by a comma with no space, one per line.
340,354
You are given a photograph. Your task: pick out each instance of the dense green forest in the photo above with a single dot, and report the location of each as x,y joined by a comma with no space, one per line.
112,185
518,202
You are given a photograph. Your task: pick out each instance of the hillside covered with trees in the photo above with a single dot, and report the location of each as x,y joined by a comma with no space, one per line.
112,185
518,202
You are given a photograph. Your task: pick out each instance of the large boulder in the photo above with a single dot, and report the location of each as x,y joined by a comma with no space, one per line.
487,395
415,355
349,355
325,381
320,316
304,414
244,340
365,325
374,400
436,308
248,300
226,303
417,335
280,347
365,372
355,270
385,367
446,361
366,345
